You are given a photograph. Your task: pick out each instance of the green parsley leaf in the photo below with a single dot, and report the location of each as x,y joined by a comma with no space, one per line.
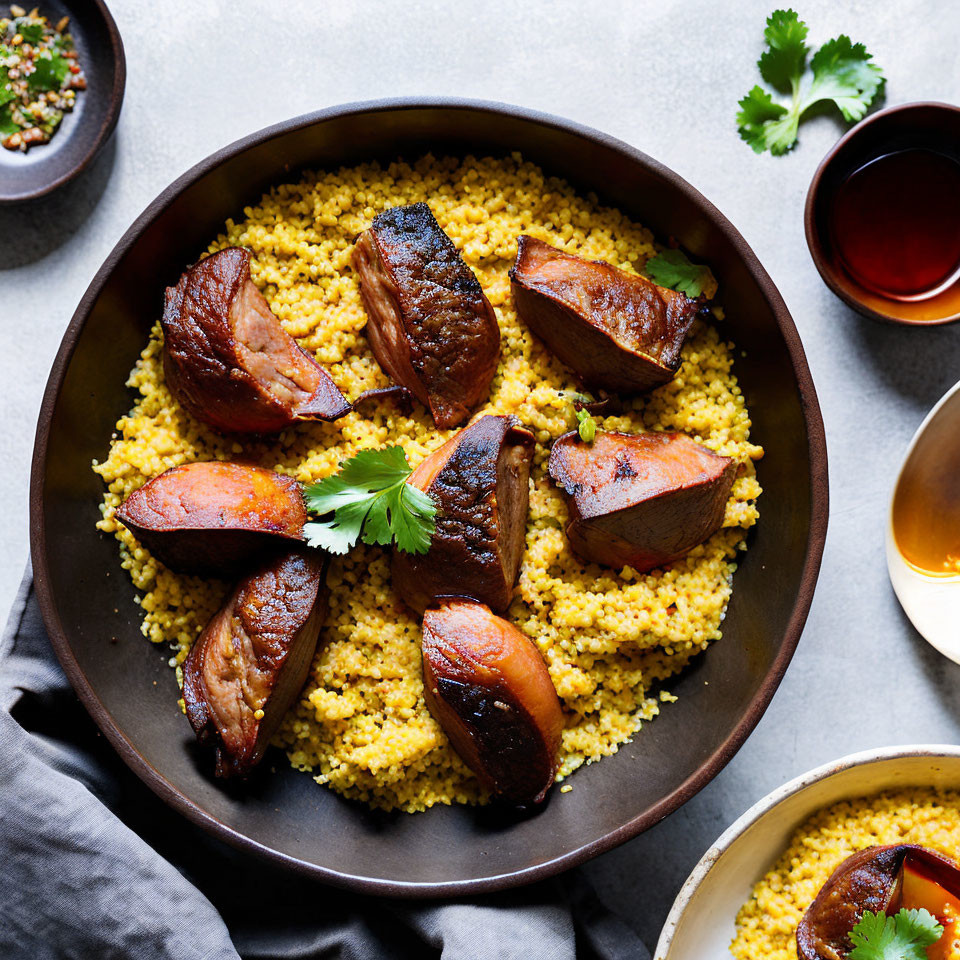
783,63
672,268
587,426
30,29
905,936
6,94
842,74
7,124
370,500
50,70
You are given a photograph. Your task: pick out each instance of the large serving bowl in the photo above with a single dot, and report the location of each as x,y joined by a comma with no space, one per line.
88,601
700,924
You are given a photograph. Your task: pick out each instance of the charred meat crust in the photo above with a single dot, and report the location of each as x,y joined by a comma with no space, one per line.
640,500
868,880
228,360
253,658
615,330
479,481
488,687
214,517
431,328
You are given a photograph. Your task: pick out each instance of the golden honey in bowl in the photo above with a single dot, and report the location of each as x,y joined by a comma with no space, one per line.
926,504
895,224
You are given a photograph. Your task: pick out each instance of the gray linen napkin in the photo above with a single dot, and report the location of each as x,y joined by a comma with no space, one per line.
95,866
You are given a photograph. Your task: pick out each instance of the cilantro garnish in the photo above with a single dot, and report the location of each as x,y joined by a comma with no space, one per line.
7,124
905,936
370,500
842,73
50,70
31,29
672,269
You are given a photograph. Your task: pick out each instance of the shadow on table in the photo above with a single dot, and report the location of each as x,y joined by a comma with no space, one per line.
32,229
917,362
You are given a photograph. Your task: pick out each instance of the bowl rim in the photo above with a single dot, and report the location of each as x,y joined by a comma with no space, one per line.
767,804
814,239
107,126
817,454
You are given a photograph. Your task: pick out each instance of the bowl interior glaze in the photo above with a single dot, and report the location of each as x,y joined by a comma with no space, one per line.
88,601
701,923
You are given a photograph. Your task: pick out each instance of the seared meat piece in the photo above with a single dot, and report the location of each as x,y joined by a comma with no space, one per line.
478,480
640,499
213,517
615,330
882,880
228,360
252,658
430,326
487,685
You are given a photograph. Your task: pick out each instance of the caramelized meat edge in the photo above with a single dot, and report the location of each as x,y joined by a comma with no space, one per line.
487,685
213,517
430,326
615,330
252,659
642,500
479,481
228,360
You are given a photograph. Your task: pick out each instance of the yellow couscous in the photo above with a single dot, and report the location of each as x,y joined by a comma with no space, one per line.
609,637
767,922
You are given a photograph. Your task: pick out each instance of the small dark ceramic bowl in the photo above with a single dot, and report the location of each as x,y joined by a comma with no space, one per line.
24,176
935,126
87,599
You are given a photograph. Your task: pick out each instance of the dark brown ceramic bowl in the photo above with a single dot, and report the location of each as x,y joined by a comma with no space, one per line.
935,126
24,176
87,600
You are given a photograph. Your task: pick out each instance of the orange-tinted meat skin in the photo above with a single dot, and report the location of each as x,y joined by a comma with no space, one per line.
478,480
430,326
212,517
228,360
254,656
870,879
488,687
615,330
640,500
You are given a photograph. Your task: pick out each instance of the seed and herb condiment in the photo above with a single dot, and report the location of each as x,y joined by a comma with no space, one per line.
40,75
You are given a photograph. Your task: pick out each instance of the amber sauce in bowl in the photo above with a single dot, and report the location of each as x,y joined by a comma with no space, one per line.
883,215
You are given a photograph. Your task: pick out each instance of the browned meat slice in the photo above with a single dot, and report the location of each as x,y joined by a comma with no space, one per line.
228,360
615,330
213,517
882,880
488,687
478,479
430,326
643,499
252,658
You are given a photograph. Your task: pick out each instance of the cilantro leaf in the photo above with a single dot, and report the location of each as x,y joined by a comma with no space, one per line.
783,62
8,125
370,500
672,268
29,28
904,936
6,94
842,73
50,70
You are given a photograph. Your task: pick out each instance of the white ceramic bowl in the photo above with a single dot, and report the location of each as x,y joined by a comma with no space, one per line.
700,925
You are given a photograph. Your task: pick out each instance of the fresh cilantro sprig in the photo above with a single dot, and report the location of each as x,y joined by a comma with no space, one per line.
673,269
370,500
904,936
842,72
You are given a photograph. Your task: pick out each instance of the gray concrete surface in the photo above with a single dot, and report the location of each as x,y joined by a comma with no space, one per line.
664,76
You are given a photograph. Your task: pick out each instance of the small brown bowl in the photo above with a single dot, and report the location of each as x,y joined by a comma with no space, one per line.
932,125
87,128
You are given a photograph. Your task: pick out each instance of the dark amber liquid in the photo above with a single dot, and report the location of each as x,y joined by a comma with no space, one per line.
895,223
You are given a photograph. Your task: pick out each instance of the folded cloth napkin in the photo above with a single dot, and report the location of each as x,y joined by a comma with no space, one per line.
95,866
